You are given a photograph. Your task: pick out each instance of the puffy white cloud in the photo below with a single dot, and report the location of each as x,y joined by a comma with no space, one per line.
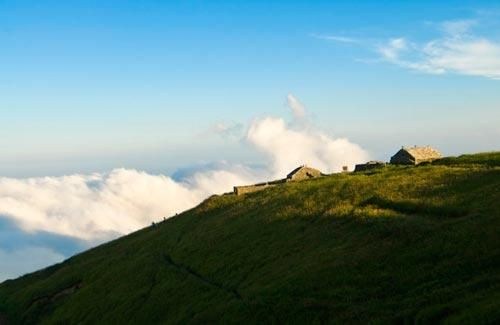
24,260
289,148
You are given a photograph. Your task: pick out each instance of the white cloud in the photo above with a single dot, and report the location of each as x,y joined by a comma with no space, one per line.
336,38
457,52
457,28
298,109
26,259
289,148
393,49
472,56
226,130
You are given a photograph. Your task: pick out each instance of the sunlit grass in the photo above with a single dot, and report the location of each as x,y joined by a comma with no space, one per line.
400,244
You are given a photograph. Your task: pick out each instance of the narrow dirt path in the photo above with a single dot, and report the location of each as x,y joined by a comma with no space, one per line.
55,296
185,269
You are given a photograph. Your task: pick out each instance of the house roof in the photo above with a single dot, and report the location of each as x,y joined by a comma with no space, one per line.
296,170
426,152
293,172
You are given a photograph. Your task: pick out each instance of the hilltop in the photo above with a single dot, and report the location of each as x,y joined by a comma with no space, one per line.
398,244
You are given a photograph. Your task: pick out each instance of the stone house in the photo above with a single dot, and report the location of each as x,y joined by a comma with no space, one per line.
415,155
303,172
373,164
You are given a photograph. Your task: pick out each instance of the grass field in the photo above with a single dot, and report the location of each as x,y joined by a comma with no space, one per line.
398,245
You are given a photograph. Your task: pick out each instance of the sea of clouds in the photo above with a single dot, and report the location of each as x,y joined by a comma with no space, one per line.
101,206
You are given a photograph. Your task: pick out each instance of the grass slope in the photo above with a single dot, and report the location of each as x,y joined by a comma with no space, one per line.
403,244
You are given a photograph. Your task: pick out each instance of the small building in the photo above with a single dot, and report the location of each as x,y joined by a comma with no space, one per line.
303,172
373,164
415,155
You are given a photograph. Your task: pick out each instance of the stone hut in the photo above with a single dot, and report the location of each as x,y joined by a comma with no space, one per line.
303,172
373,164
415,155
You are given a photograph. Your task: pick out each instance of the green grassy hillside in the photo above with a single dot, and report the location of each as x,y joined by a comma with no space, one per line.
403,244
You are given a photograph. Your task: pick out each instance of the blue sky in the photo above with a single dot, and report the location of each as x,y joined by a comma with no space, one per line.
163,86
111,83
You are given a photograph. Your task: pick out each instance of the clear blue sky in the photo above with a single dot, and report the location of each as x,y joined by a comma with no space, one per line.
92,85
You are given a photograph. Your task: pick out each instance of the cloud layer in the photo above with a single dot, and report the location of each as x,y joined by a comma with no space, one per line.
101,206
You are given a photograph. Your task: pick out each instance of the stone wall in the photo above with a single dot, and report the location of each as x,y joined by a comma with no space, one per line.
239,190
369,165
